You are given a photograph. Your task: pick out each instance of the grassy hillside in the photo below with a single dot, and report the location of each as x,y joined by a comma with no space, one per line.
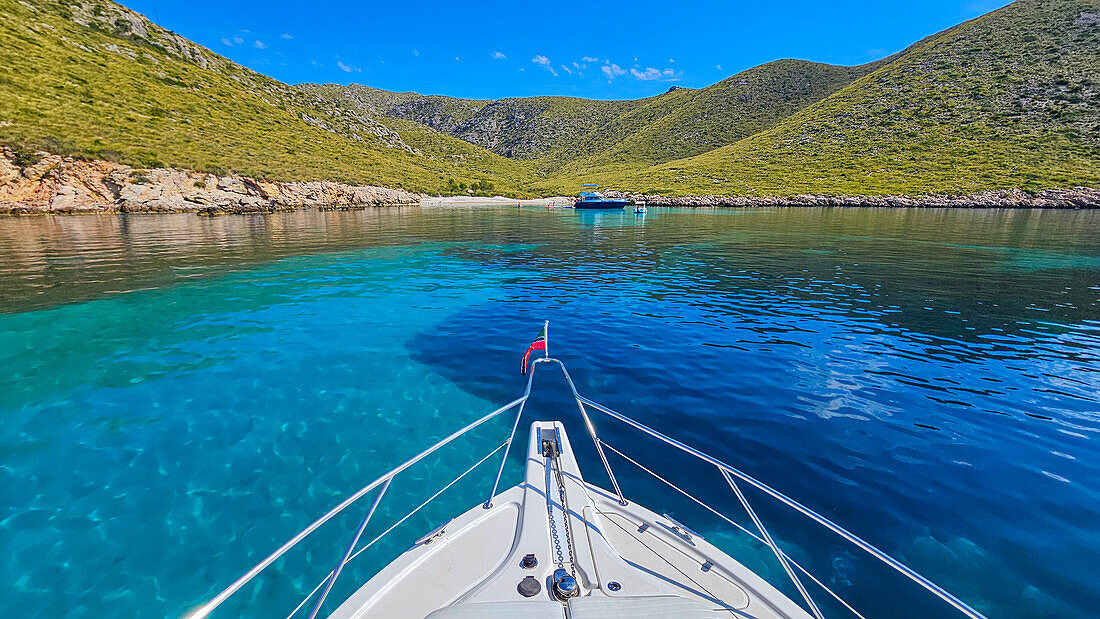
444,114
94,79
683,123
530,127
577,135
1008,100
521,128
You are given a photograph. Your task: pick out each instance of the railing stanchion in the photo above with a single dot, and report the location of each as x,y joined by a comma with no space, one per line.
207,608
771,543
591,431
347,553
901,568
397,524
736,525
728,472
508,444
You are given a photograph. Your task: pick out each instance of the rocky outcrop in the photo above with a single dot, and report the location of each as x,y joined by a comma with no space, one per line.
139,40
123,23
520,128
48,183
55,184
1078,197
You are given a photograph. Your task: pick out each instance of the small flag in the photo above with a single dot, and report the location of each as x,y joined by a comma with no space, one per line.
538,344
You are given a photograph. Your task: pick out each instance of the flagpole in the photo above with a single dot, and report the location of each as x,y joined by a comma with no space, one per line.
546,338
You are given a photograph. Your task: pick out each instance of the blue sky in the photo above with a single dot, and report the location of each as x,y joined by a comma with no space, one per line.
595,50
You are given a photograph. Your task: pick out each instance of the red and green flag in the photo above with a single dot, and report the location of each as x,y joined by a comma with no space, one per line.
538,344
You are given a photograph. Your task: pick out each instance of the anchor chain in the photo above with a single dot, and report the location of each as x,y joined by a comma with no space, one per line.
554,459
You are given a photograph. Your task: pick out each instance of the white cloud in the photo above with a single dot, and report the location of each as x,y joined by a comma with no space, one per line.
651,74
612,71
286,36
671,61
259,45
567,69
718,66
348,68
227,42
416,52
498,55
238,40
589,59
521,69
544,61
635,59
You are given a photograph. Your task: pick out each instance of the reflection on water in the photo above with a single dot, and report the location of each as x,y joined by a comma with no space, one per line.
203,386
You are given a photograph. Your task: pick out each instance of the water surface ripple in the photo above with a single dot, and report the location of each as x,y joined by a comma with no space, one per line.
182,394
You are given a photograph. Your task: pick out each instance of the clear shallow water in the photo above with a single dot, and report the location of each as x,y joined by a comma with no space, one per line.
182,394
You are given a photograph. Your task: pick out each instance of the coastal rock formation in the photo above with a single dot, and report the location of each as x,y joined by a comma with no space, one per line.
55,184
1078,197
48,183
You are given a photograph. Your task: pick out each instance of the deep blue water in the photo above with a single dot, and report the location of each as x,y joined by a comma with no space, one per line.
180,394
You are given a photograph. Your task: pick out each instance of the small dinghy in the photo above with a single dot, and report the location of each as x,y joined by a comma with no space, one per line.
640,209
557,546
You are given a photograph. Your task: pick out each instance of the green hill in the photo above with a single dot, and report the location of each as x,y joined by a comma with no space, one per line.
444,114
577,134
98,80
521,128
686,122
1008,100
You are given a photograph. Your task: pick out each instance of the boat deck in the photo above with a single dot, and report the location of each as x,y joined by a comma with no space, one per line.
628,561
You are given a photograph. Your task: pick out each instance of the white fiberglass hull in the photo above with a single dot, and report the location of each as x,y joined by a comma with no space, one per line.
627,560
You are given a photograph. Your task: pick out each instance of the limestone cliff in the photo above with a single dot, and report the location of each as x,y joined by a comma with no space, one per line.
55,184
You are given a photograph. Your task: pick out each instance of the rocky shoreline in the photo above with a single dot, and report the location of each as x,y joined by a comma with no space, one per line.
1078,197
54,184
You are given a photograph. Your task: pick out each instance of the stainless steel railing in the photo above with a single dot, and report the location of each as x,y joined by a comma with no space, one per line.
737,525
730,474
207,608
393,526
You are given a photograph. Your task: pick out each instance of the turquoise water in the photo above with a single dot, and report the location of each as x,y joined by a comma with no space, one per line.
182,394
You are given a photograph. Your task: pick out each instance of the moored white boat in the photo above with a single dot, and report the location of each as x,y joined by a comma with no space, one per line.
557,546
593,199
